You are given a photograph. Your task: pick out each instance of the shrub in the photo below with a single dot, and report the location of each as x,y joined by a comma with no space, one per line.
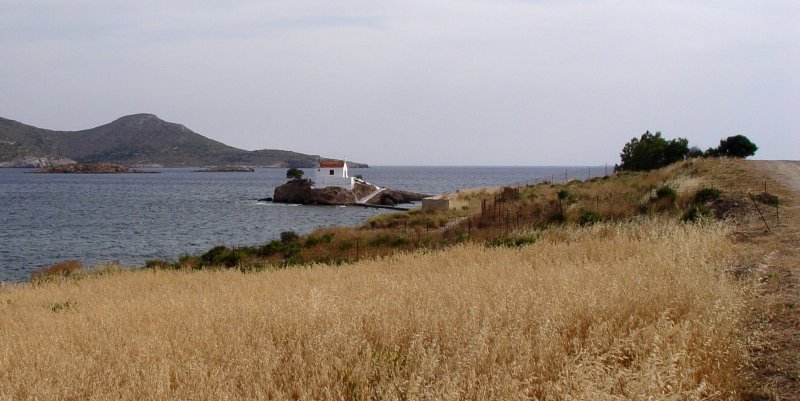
388,240
291,250
588,217
233,258
695,213
557,217
666,192
767,198
215,255
62,269
62,306
706,195
324,239
189,262
514,242
271,248
288,237
293,260
294,173
158,264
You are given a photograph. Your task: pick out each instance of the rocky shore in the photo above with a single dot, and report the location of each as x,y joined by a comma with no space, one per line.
301,191
227,169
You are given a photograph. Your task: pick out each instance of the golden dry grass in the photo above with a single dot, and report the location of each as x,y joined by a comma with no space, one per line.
640,310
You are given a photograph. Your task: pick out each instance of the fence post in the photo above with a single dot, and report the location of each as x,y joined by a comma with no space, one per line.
759,211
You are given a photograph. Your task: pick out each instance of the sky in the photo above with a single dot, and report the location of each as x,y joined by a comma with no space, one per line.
413,82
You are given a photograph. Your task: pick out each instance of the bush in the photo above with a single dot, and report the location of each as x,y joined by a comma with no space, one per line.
588,217
767,198
514,242
695,213
189,262
556,217
706,195
388,240
288,237
62,269
215,256
324,239
158,264
666,192
223,256
271,248
294,173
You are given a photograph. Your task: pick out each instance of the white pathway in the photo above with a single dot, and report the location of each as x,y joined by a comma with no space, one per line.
372,195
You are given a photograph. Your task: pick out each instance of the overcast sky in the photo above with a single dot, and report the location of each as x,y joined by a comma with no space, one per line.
412,82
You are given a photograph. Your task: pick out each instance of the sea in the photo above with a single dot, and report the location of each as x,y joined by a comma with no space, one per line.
131,218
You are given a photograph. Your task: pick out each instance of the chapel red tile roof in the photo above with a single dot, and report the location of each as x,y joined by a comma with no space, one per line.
332,164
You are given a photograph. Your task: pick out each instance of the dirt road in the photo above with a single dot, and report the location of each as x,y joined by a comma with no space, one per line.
788,172
778,359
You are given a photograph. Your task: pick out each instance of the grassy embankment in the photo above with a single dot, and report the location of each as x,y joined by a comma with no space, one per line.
641,308
486,216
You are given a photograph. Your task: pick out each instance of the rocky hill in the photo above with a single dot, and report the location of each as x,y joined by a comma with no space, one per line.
139,139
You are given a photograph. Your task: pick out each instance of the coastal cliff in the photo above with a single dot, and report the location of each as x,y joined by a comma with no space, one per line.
302,191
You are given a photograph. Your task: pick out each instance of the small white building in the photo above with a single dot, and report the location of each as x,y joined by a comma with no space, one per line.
333,174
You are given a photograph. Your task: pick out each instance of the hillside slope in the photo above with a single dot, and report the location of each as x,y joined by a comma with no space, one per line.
137,139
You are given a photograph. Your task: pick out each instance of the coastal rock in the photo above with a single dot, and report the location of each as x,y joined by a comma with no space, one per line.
302,191
89,168
392,197
228,169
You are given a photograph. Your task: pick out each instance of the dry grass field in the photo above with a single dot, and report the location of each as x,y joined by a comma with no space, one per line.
637,310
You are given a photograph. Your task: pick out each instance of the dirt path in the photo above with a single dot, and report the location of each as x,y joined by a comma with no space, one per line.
788,172
778,359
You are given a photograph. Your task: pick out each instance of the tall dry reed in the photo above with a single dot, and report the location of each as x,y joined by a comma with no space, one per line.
627,311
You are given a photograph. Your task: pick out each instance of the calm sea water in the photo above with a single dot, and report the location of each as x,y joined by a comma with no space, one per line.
129,218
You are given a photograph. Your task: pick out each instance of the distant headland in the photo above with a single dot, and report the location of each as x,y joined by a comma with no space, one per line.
134,140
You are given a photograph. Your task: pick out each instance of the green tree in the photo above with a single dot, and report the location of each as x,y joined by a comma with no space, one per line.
652,151
736,146
711,152
294,173
694,152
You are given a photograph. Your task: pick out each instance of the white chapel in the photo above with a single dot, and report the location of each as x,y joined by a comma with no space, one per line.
333,173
